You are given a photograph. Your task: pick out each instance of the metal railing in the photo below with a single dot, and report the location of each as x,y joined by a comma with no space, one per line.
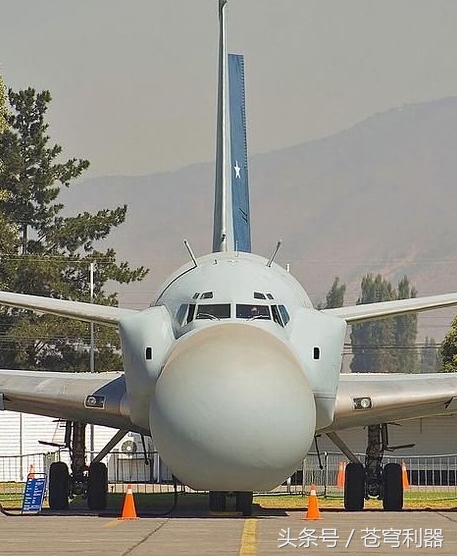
147,475
425,473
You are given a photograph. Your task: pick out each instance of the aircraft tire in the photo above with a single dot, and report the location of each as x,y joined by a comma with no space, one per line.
392,499
244,503
354,487
58,486
217,501
97,486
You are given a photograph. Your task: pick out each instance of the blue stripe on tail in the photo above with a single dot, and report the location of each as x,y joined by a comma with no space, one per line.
239,155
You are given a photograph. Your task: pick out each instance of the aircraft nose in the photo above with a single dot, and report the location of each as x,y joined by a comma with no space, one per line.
232,409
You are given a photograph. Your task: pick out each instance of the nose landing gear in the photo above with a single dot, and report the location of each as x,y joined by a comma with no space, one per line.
218,501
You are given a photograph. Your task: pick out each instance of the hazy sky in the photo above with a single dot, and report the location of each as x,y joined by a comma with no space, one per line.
133,82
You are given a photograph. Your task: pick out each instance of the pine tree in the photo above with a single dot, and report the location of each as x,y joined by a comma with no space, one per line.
52,253
3,108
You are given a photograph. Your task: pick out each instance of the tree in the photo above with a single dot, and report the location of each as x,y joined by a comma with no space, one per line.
52,253
3,125
407,357
372,341
3,108
448,350
430,361
386,345
335,296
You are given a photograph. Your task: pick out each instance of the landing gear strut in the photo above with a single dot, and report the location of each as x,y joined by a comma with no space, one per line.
383,482
372,479
90,482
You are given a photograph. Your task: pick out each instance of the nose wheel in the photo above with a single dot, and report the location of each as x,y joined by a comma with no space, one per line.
218,502
244,503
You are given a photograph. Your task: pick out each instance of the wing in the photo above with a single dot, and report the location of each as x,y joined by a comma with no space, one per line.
96,398
91,312
392,397
372,311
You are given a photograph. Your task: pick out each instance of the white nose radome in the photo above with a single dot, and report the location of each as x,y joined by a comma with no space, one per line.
232,409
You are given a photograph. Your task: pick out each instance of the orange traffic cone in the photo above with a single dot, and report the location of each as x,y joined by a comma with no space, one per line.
128,509
313,506
31,474
404,475
341,473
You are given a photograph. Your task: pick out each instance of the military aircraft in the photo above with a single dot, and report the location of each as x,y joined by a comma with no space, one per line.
231,369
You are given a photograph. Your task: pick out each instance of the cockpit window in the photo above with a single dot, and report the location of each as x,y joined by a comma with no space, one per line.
284,314
252,312
191,313
213,311
206,295
275,313
259,295
181,313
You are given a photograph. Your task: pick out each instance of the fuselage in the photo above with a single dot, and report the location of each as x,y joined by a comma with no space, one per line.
231,369
231,400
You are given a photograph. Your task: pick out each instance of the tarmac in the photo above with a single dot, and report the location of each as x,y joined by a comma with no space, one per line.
267,533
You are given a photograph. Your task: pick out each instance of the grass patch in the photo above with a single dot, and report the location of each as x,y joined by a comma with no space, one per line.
412,501
161,502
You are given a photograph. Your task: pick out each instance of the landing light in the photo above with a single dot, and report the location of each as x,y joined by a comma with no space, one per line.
362,403
97,402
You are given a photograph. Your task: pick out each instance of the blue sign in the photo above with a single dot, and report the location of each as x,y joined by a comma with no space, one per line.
34,494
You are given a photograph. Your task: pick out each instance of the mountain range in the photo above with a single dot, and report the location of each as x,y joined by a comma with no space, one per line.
380,196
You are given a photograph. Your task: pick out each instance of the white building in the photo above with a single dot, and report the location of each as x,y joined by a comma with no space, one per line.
26,440
431,436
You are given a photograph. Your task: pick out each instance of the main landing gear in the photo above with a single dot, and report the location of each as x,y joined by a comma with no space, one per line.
373,479
218,501
89,481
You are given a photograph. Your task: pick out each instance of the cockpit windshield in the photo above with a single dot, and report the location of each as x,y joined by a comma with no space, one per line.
244,311
213,311
216,311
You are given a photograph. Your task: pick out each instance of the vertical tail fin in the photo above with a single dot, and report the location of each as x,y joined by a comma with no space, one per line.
239,155
232,230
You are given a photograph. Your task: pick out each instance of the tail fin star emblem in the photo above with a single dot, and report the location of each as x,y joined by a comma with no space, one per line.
237,170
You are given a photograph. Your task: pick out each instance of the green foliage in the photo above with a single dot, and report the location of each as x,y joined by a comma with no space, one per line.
405,326
385,345
47,254
335,296
448,350
430,357
3,108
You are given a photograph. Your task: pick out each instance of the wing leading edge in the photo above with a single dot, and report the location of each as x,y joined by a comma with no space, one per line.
90,312
372,311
